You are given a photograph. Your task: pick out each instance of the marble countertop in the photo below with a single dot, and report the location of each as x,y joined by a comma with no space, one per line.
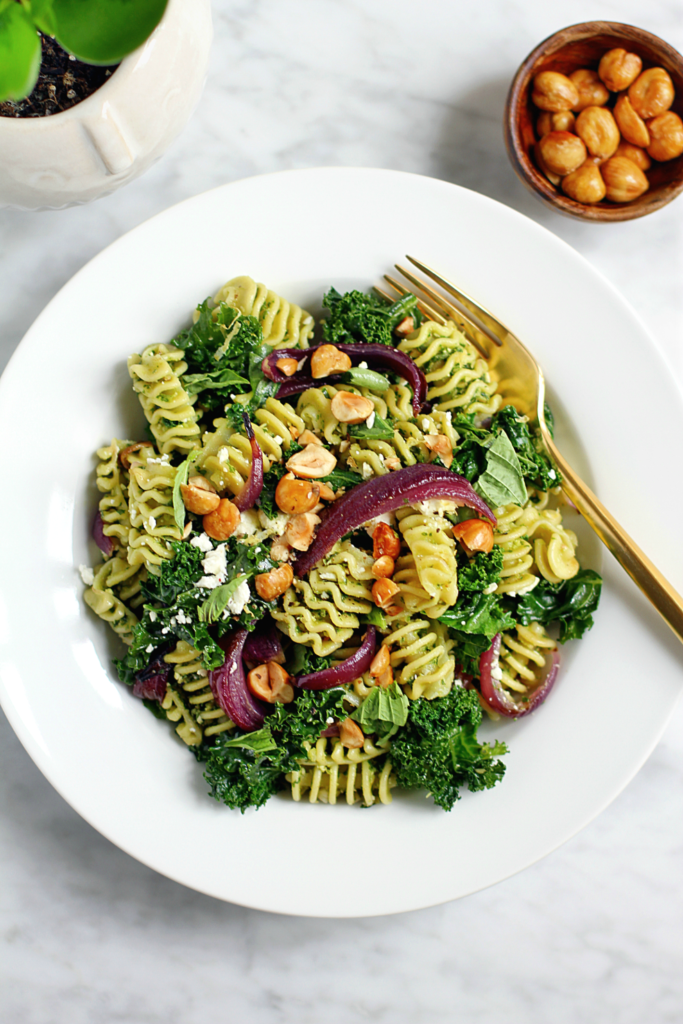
594,931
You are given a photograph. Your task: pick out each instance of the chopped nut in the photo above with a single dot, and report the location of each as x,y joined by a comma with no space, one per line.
385,541
125,452
383,567
287,366
271,683
199,496
308,437
350,408
386,679
381,662
301,529
474,535
328,359
351,734
392,463
280,550
312,462
223,521
326,492
270,585
294,432
294,496
383,592
406,327
439,444
257,681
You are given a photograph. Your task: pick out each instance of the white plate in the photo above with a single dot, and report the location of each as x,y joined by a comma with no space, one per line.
66,391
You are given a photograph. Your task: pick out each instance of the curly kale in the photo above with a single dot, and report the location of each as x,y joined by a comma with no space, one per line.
356,317
571,603
244,770
438,749
479,572
473,622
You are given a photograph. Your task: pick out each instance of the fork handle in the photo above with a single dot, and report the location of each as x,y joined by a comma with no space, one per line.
644,574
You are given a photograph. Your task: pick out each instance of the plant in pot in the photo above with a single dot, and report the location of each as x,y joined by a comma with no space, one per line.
92,92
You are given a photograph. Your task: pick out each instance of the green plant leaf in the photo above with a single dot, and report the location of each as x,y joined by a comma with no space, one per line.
382,710
216,603
502,482
363,378
181,477
259,741
43,15
105,31
381,430
20,53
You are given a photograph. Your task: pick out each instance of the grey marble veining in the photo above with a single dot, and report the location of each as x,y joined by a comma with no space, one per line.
594,931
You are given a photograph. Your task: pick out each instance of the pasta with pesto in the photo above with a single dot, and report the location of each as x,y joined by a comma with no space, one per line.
319,580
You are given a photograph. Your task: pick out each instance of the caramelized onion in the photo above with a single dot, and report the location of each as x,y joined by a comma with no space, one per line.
501,700
347,671
229,684
252,489
263,644
383,494
104,543
151,682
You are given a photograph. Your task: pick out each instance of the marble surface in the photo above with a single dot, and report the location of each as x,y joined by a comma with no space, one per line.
595,931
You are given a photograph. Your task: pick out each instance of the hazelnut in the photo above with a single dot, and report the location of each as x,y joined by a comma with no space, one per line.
308,437
405,327
554,179
562,152
270,585
666,133
555,121
287,366
383,567
383,592
126,452
326,492
474,535
351,734
300,530
618,69
199,496
381,662
385,541
223,521
350,408
631,126
652,93
312,462
328,359
585,184
553,91
592,92
634,153
387,677
440,446
271,683
294,496
598,129
624,181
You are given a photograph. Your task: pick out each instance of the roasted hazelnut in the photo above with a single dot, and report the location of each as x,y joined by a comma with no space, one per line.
300,530
666,136
585,184
474,535
554,179
631,125
562,152
592,92
383,567
624,181
441,447
312,462
351,734
553,91
383,592
223,521
328,359
350,408
555,121
270,585
295,496
635,153
199,496
385,541
652,93
598,129
126,452
381,662
287,366
618,68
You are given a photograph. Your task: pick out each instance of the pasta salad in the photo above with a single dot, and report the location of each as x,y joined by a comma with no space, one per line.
333,550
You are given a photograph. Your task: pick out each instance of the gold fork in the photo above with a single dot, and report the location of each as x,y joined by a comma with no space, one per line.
522,384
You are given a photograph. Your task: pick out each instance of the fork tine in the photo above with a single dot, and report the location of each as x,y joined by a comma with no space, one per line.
477,332
425,307
485,320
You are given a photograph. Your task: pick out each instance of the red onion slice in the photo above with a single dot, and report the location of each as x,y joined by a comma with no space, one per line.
229,684
385,494
263,644
347,671
252,489
151,682
501,700
104,543
376,356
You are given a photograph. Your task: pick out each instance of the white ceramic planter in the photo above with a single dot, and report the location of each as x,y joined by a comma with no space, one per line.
115,134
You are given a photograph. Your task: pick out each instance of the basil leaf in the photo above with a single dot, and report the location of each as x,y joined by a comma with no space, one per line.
382,710
196,382
381,430
364,378
502,482
181,477
217,601
259,741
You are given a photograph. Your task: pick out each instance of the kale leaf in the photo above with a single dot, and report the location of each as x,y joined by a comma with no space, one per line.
536,464
380,430
356,317
302,661
571,603
244,770
438,749
473,623
266,499
481,571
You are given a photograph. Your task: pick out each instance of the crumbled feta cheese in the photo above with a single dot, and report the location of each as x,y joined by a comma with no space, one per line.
327,575
182,619
215,561
552,474
223,456
435,506
248,524
426,425
329,721
239,599
275,527
151,523
496,672
366,471
386,517
203,542
370,420
362,366
492,587
149,648
263,566
87,575
152,616
208,582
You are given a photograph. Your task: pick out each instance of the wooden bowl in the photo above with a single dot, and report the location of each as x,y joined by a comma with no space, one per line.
582,46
